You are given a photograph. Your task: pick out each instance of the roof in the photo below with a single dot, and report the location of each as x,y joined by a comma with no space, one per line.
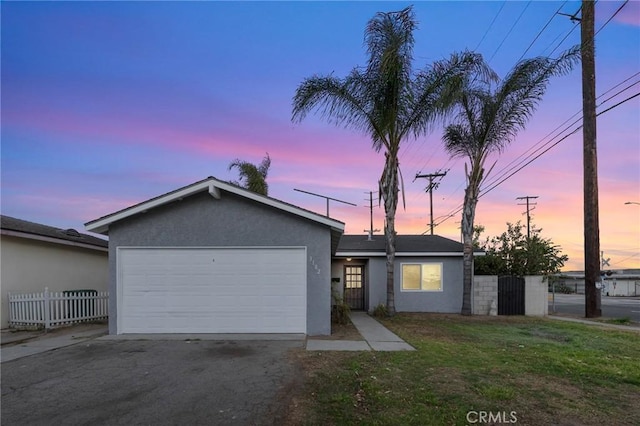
25,229
216,189
406,245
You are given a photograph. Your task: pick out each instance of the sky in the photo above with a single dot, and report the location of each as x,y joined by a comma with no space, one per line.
107,104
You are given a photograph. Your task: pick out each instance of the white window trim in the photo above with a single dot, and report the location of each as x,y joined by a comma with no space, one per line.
402,289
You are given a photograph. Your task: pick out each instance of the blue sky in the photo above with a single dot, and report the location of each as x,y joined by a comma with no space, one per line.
106,104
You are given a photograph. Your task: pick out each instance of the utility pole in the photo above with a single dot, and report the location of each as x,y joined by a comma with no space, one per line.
432,185
371,230
590,163
528,197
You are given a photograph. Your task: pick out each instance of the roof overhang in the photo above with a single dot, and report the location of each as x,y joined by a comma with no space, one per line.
402,254
26,235
215,188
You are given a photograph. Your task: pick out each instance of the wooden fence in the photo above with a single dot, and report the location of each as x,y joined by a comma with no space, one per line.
51,309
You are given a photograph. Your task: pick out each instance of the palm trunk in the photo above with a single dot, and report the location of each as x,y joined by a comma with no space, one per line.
389,191
468,215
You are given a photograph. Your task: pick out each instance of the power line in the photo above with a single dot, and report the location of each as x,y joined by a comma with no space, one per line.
541,31
626,258
612,16
496,184
556,143
510,30
539,145
490,25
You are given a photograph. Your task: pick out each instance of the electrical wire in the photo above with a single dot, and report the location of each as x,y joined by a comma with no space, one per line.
612,16
510,30
490,25
496,184
542,30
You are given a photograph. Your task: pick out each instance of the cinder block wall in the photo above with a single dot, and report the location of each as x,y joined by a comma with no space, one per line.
485,290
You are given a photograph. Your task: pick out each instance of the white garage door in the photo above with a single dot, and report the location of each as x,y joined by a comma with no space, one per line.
212,290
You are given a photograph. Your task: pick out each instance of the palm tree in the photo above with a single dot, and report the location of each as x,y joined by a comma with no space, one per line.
387,101
489,118
253,177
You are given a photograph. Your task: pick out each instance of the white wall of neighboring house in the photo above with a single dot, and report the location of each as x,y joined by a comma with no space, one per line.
29,265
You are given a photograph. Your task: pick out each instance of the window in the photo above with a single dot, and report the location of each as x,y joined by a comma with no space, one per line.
353,276
422,276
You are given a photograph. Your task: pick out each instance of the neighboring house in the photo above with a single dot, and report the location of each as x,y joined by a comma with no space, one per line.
36,256
212,257
427,273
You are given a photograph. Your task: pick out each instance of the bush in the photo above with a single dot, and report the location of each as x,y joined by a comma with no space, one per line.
380,311
562,288
340,310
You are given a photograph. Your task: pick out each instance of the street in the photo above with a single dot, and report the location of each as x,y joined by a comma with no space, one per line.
612,307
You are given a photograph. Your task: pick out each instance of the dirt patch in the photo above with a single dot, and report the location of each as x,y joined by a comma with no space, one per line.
342,332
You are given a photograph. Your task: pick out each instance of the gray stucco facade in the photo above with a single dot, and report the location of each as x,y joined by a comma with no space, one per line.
370,253
201,220
449,300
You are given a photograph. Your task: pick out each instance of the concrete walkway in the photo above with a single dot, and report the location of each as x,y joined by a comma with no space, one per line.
377,337
49,341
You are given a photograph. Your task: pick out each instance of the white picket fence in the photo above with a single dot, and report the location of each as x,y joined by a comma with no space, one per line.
51,309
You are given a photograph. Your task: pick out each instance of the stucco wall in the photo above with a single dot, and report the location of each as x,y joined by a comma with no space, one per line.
536,296
447,300
202,221
28,266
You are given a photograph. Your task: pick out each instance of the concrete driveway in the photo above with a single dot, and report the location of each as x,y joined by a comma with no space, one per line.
132,382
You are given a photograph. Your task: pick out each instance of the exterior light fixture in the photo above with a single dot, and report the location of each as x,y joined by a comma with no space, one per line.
348,259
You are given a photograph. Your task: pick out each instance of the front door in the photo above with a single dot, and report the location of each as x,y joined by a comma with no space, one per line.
354,286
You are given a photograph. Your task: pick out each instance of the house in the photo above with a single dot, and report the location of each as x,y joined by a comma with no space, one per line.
213,257
35,256
427,272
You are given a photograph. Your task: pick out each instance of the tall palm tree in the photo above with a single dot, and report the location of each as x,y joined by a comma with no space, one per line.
387,101
253,177
488,118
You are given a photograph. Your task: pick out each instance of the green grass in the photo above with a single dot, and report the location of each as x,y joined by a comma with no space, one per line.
621,321
547,372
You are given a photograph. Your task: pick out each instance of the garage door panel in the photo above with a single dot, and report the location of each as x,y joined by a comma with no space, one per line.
212,290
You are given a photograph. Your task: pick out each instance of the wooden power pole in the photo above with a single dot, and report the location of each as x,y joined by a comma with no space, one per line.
430,188
590,163
528,204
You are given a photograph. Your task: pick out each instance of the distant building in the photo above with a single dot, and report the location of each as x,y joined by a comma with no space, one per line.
620,282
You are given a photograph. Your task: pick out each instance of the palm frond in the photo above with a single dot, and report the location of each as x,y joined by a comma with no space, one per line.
253,177
439,86
343,102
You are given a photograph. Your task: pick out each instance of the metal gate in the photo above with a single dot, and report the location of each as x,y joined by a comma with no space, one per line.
510,295
354,286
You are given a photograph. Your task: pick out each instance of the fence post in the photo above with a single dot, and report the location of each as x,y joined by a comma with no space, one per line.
47,309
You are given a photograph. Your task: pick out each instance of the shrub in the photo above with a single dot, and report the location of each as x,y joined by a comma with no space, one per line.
562,288
380,311
340,310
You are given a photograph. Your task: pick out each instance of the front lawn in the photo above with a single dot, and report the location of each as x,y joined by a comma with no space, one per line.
508,369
